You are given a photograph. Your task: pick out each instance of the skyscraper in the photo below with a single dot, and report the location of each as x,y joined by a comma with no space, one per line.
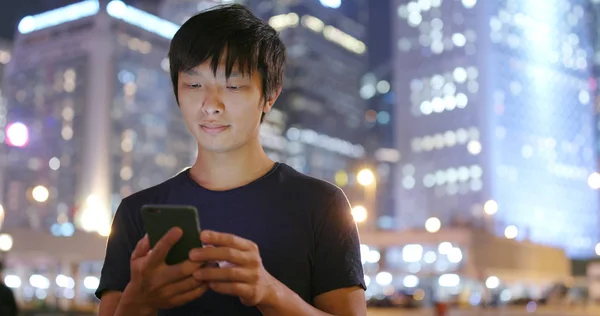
5,55
91,115
495,119
376,89
326,60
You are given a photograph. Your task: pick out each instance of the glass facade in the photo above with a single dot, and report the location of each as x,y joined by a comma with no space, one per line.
149,140
541,98
498,107
48,99
325,113
51,112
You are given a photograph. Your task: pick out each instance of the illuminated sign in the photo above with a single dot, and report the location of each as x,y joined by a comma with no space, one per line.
58,16
151,23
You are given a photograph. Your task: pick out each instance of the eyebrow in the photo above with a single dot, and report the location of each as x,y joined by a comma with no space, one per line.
194,72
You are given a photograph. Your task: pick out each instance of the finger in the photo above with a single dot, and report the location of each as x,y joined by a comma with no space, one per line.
236,274
189,296
227,240
141,249
180,287
235,256
179,271
162,247
241,290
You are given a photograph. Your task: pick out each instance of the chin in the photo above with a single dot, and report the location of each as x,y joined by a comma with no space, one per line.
217,146
220,144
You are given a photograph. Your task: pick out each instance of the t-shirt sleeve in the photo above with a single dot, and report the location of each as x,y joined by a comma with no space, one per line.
123,238
337,262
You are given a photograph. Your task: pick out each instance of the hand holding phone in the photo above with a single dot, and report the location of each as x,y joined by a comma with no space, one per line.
156,285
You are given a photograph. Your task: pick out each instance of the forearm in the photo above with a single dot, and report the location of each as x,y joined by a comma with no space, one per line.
129,305
287,302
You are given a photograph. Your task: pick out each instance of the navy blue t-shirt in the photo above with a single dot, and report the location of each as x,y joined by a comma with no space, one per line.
303,227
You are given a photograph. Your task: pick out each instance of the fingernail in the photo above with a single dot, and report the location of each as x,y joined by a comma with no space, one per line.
176,230
206,234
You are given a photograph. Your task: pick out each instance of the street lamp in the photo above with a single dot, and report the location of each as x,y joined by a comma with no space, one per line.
359,213
2,215
511,232
6,242
433,224
490,207
594,180
40,194
365,177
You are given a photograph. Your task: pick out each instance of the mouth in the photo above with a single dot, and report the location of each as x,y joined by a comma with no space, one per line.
214,129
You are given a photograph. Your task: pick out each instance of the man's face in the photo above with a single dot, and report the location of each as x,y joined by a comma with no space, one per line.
222,114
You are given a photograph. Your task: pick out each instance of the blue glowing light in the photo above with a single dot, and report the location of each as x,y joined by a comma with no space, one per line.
334,4
117,9
151,23
58,16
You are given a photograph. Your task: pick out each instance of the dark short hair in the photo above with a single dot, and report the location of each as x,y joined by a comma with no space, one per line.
235,32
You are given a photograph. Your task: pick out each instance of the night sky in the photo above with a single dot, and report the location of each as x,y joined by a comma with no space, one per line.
11,12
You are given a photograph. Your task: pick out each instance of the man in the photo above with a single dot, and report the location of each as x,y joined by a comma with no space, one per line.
290,240
8,304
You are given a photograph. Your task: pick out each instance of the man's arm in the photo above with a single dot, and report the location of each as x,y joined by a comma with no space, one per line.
114,304
342,302
115,271
109,303
345,301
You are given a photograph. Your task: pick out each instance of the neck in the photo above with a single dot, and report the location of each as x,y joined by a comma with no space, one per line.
230,170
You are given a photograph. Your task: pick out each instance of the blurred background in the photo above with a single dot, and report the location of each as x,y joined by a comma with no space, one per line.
464,132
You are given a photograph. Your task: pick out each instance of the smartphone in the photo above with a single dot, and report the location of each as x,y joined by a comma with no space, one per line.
159,219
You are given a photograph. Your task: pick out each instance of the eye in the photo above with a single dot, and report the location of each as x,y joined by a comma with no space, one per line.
194,85
234,87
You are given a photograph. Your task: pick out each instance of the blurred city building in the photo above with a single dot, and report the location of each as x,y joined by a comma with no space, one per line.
90,119
463,265
88,87
5,55
496,121
327,57
379,139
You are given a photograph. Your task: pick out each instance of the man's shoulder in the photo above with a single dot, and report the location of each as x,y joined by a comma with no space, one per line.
156,194
304,184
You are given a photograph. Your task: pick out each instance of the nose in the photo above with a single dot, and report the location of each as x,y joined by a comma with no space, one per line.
212,103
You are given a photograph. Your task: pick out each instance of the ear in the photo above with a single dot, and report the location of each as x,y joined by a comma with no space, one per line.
271,100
